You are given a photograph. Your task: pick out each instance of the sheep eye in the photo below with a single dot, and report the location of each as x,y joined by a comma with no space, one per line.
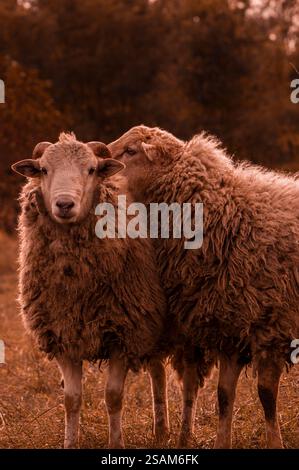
91,171
131,151
44,170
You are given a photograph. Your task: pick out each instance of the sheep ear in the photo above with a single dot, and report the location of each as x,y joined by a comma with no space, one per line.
108,167
149,150
99,149
29,168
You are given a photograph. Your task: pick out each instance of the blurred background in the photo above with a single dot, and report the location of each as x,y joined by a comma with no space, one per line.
100,66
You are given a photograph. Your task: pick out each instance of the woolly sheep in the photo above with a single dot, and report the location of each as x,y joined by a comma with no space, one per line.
237,296
84,298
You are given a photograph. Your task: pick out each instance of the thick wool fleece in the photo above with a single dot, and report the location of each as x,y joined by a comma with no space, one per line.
82,295
241,288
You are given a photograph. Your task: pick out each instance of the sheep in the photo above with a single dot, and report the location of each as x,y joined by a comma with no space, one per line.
81,297
236,296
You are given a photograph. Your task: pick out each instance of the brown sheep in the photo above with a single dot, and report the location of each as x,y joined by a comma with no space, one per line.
85,298
237,296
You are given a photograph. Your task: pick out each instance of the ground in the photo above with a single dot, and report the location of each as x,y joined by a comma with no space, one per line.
31,399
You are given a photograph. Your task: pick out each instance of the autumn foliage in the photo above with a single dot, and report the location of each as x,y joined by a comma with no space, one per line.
100,66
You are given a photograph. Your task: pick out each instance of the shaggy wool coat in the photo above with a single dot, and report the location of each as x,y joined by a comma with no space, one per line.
84,296
240,290
242,287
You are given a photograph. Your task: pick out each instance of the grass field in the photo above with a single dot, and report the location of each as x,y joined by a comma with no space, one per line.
31,400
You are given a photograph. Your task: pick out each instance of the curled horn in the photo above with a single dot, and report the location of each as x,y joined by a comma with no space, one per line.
100,149
39,149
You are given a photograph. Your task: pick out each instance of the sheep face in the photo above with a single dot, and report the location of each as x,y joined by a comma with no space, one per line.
68,174
144,151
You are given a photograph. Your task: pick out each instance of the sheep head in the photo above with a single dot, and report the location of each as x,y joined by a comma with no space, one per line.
68,173
144,151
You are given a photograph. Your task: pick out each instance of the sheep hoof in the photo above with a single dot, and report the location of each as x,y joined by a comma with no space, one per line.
184,440
161,437
275,443
275,446
116,445
222,445
70,445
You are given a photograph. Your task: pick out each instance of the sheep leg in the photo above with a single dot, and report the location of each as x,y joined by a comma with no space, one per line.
159,394
190,390
114,392
268,384
230,369
72,378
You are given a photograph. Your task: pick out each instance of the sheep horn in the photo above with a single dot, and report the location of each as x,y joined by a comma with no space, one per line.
100,149
39,149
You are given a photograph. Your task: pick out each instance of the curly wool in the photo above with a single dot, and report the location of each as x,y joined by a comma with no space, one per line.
241,288
83,296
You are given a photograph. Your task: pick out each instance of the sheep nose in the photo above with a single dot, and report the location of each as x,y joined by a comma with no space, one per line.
65,205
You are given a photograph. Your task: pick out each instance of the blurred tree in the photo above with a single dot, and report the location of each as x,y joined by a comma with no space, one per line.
100,55
101,66
29,113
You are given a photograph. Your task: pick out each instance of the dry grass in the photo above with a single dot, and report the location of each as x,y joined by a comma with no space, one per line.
31,400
